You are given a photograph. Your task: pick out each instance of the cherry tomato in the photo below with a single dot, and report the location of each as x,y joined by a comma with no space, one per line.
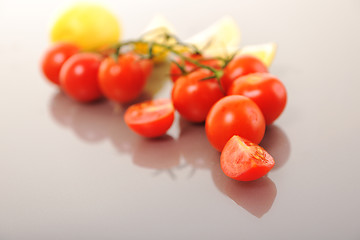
175,71
124,80
265,90
234,115
54,58
243,160
150,118
240,66
193,97
78,77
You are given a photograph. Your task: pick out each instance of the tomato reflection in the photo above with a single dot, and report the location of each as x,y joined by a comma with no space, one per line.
256,197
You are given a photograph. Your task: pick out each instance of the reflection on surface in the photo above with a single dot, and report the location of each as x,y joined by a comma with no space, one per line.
101,120
159,153
277,144
90,122
257,197
194,146
62,108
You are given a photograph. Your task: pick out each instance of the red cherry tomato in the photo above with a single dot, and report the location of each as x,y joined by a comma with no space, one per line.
265,90
240,66
150,118
234,115
243,160
123,80
193,97
78,77
175,71
54,58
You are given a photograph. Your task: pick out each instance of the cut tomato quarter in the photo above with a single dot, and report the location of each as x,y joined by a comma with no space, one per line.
243,160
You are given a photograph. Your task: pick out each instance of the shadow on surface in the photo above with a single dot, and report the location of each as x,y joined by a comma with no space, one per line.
98,121
93,122
256,197
194,146
158,153
277,144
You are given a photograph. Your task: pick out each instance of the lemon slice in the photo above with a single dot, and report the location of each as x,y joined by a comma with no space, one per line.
219,39
87,25
155,31
159,22
265,52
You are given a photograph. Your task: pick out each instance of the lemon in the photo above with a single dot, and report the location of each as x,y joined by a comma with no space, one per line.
219,39
87,25
154,32
265,52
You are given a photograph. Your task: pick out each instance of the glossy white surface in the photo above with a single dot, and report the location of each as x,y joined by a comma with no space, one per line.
72,171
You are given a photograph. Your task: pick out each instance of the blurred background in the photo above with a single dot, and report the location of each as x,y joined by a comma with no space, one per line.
72,171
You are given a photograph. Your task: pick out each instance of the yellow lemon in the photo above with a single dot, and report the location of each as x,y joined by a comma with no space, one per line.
219,39
158,27
87,25
265,52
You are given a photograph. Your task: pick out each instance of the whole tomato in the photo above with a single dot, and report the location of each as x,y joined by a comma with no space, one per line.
79,77
265,90
234,115
54,59
193,96
240,66
175,71
123,80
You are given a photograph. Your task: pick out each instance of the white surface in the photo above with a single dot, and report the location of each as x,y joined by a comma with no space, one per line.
72,171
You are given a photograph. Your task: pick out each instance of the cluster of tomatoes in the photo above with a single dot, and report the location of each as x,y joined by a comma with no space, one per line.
236,99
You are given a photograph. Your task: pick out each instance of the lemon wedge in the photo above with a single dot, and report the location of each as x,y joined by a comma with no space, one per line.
265,52
219,39
87,25
154,32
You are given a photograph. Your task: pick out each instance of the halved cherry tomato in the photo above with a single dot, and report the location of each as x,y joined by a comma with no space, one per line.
123,80
150,118
78,77
193,96
234,115
175,71
54,58
265,90
243,160
240,66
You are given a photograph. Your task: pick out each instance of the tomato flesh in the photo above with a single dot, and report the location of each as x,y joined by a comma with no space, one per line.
150,118
243,160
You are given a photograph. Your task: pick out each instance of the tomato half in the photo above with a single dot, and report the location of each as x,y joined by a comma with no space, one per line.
54,59
78,77
265,90
240,66
150,118
234,115
193,96
243,160
175,71
123,80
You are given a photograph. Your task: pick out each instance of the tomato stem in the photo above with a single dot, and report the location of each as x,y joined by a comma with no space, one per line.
175,48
